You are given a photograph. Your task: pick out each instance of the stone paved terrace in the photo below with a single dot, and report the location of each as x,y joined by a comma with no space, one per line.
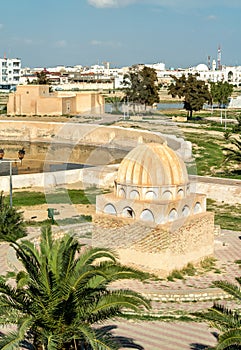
173,335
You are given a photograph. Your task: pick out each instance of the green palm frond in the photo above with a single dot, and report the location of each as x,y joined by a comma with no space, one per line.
220,317
233,153
228,339
12,340
64,290
226,320
116,271
115,301
229,288
28,256
91,255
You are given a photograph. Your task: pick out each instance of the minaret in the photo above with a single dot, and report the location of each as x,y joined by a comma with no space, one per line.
209,62
219,58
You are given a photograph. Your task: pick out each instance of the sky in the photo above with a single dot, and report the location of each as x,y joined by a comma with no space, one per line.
179,33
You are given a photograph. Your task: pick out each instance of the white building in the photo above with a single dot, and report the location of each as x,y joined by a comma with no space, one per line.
9,73
230,74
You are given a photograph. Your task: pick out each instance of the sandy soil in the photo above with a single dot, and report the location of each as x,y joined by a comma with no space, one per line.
40,213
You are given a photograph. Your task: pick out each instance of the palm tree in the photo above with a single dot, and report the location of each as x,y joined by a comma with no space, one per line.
233,153
62,295
227,321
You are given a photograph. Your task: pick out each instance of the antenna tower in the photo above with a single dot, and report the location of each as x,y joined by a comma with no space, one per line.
219,58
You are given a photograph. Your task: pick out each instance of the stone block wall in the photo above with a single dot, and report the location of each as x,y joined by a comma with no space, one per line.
158,249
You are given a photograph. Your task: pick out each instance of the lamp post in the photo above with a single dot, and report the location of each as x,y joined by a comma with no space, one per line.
21,154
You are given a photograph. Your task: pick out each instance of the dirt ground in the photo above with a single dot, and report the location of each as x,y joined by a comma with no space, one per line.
40,212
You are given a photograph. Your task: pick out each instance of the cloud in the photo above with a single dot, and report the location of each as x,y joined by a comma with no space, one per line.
60,43
1,25
113,44
111,3
211,18
166,3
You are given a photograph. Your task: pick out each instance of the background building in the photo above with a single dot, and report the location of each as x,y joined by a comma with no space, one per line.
9,73
38,100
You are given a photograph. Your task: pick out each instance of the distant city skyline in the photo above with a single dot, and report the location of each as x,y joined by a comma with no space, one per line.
180,33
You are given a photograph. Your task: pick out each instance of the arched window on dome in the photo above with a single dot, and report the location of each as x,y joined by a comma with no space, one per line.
180,194
134,194
185,211
128,212
147,215
197,208
150,195
121,193
188,190
110,209
172,215
167,195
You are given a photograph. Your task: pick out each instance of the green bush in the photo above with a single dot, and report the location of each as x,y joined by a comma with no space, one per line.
11,222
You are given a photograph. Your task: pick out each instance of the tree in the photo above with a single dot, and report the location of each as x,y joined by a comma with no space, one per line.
141,86
220,92
11,222
237,127
233,153
227,321
194,91
62,292
42,78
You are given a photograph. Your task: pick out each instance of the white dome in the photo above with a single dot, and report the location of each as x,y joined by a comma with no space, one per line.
202,67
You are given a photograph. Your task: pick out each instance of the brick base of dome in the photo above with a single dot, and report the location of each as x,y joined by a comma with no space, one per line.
162,248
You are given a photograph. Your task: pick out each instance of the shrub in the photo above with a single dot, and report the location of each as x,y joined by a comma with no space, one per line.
11,222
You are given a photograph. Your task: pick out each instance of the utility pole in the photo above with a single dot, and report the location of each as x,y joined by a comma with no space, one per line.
21,154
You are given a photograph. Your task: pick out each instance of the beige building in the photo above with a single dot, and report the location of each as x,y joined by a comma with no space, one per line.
38,100
152,188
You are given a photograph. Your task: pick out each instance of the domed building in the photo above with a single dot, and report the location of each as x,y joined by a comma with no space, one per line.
202,67
152,185
159,223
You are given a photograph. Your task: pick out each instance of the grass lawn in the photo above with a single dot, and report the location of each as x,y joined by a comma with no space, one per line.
208,154
226,215
29,198
207,151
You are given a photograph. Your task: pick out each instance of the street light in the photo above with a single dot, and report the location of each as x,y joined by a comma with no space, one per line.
21,154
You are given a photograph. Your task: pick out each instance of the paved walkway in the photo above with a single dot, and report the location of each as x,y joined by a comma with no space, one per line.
175,335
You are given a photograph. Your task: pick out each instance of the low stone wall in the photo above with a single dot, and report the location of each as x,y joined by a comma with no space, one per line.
88,134
35,131
194,295
218,189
